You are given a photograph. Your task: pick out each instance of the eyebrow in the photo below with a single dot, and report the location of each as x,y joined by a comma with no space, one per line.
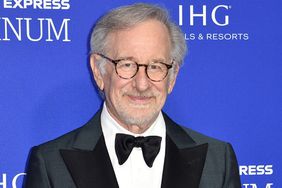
125,58
134,59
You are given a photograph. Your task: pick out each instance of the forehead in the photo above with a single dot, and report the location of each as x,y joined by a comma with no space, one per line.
148,39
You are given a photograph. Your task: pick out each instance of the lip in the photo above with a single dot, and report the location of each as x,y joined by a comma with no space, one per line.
139,99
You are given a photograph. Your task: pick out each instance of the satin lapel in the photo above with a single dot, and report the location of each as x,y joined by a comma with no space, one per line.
91,169
183,167
184,159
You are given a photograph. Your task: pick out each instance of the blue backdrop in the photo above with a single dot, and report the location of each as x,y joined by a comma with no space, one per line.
229,86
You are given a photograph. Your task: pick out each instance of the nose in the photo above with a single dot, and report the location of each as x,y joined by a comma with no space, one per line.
141,81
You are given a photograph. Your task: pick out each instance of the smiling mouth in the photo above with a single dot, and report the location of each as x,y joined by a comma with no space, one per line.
140,99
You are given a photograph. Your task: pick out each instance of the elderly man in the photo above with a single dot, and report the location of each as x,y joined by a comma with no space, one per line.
136,52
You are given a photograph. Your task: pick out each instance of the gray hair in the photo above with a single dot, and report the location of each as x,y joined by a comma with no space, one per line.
128,16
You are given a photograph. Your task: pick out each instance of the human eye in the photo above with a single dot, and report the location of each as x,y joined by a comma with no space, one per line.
157,67
126,65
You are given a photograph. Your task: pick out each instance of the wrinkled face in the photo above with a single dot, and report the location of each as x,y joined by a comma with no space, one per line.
136,101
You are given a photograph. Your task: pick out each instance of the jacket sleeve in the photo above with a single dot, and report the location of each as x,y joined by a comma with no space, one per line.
36,172
232,177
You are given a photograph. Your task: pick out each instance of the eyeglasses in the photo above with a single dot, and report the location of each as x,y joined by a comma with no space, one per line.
126,68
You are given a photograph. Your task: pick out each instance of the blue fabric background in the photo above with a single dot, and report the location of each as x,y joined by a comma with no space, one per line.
227,89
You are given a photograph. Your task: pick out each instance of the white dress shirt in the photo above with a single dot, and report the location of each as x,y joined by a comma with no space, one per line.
134,173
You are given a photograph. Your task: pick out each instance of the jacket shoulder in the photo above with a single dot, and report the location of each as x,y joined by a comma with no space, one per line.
202,138
62,142
78,136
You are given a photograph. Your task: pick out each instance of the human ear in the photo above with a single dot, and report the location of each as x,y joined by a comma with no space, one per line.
96,71
172,78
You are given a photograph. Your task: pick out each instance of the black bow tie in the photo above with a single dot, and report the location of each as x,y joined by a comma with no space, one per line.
125,143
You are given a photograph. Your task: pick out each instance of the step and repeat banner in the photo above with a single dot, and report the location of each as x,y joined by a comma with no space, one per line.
228,88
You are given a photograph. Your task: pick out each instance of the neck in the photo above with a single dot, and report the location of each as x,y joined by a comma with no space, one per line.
136,129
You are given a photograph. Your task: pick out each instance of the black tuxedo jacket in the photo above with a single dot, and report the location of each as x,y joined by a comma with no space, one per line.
80,159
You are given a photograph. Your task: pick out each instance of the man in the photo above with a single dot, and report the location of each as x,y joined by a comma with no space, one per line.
136,52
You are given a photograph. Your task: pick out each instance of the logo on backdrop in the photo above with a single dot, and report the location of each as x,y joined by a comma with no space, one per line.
217,16
5,180
38,4
35,29
259,171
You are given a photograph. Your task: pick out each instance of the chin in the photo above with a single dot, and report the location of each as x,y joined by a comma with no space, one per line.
140,116
138,121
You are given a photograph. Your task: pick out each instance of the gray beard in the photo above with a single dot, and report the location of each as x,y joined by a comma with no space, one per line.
141,122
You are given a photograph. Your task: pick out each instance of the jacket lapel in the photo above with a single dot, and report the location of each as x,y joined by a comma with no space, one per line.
90,166
89,163
184,159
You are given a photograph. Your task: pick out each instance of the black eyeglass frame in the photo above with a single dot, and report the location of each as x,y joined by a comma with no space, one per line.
115,62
